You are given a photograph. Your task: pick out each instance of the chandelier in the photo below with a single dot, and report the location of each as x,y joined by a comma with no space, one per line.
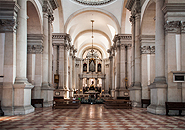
92,50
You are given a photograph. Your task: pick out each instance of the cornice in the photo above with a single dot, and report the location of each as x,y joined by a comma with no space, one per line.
173,7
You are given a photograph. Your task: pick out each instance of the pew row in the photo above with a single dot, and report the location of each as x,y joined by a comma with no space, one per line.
118,104
66,104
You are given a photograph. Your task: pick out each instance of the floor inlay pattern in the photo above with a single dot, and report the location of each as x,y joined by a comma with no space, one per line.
94,117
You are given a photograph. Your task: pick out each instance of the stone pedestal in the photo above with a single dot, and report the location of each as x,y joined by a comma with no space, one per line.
22,97
47,95
135,96
158,96
113,93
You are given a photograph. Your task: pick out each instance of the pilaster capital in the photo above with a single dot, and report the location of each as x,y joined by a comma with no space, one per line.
35,49
173,26
61,39
147,49
183,27
8,25
8,16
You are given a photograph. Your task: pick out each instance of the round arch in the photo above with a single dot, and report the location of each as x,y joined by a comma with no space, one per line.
72,16
34,17
148,19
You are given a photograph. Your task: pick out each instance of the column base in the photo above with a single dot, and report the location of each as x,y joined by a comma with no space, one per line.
156,109
113,93
22,110
124,92
135,96
71,93
47,95
8,111
116,93
158,91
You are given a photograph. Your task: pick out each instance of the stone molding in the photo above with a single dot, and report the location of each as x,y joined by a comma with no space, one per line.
147,49
121,40
134,6
35,42
35,49
8,16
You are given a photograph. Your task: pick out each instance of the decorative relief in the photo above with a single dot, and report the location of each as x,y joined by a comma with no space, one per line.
93,2
172,26
175,26
8,25
147,49
183,27
107,65
34,49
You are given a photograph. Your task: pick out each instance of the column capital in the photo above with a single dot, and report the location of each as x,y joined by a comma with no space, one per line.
35,49
8,13
147,49
61,39
173,26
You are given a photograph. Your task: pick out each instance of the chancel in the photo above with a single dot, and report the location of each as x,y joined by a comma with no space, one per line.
127,53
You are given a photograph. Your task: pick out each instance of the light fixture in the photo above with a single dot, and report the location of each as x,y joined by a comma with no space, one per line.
92,37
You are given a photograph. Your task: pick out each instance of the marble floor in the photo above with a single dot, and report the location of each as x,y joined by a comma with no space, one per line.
94,117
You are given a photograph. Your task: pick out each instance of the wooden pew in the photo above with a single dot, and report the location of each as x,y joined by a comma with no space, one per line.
145,101
37,101
118,104
1,111
66,104
175,106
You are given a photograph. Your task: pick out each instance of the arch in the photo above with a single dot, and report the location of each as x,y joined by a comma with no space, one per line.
34,22
125,20
95,31
145,6
94,10
148,19
86,47
58,23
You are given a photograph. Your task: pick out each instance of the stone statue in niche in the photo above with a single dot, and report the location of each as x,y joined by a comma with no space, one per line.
99,67
85,67
92,66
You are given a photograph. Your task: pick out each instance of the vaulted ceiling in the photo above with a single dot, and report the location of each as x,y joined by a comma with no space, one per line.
77,16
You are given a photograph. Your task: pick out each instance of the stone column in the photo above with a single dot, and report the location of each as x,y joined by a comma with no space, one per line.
129,65
8,13
113,75
135,90
55,63
96,82
103,84
46,90
65,66
117,85
122,70
35,49
81,85
158,88
88,82
61,67
22,88
70,73
111,71
50,76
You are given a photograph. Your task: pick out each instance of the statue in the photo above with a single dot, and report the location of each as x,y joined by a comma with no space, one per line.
91,67
92,86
